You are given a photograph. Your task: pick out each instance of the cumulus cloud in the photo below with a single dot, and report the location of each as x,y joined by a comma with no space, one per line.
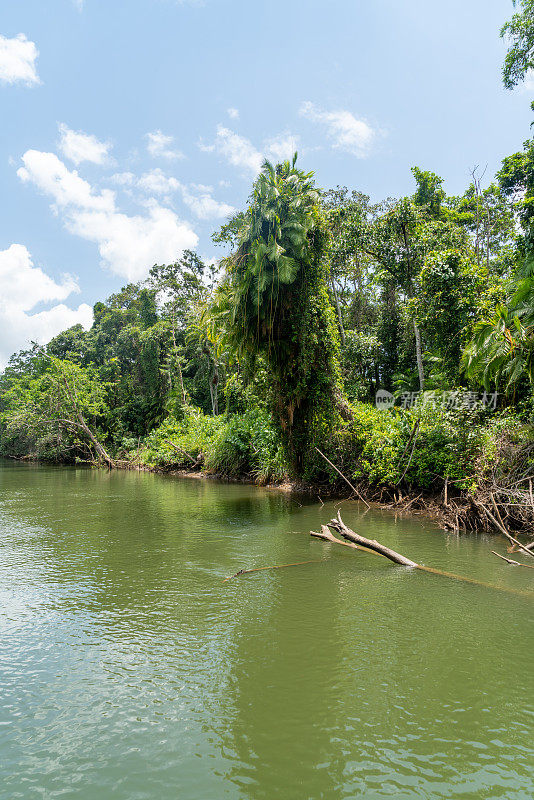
78,146
17,60
237,150
347,133
156,182
197,197
282,147
201,202
128,245
52,177
233,113
160,146
22,287
241,153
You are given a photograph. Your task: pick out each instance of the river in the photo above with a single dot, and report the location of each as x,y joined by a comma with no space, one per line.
130,670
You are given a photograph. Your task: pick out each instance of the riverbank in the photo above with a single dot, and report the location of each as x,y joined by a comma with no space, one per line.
464,468
449,509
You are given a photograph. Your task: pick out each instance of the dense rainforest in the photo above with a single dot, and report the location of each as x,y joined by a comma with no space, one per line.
393,339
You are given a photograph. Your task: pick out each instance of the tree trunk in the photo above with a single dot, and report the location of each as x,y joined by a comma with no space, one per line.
338,309
370,544
419,356
214,389
98,447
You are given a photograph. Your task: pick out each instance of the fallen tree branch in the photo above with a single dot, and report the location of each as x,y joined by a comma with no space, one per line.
508,535
511,561
356,492
370,544
182,450
329,537
361,543
276,566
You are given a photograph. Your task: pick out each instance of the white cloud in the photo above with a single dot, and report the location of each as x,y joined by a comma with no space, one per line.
282,147
17,60
123,178
237,150
52,177
78,146
156,182
128,245
233,113
241,153
201,202
159,146
22,287
347,133
197,197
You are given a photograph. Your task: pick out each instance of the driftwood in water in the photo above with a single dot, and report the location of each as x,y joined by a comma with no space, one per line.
357,542
276,566
360,541
371,545
329,537
512,561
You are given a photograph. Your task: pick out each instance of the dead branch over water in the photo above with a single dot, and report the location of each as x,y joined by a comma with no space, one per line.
359,542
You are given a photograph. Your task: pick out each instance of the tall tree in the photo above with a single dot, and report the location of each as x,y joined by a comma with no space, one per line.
275,297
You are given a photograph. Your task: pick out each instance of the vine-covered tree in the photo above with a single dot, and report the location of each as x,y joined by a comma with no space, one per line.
276,304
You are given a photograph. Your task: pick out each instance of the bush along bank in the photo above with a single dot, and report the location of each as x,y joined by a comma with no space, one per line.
455,464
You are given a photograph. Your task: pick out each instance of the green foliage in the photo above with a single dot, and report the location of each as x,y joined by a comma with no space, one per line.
49,408
181,442
450,286
274,303
520,33
249,445
377,447
233,446
501,352
360,355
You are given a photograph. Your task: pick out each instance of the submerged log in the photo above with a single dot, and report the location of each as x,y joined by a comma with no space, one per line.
276,566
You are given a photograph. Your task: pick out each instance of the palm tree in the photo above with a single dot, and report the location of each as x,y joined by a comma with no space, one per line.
501,351
274,302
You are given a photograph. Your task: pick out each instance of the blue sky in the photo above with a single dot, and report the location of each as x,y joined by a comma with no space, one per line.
132,128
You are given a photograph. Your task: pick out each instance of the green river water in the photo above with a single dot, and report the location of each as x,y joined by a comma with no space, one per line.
129,670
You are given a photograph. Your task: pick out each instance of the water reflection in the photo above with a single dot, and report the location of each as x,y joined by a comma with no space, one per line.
131,669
